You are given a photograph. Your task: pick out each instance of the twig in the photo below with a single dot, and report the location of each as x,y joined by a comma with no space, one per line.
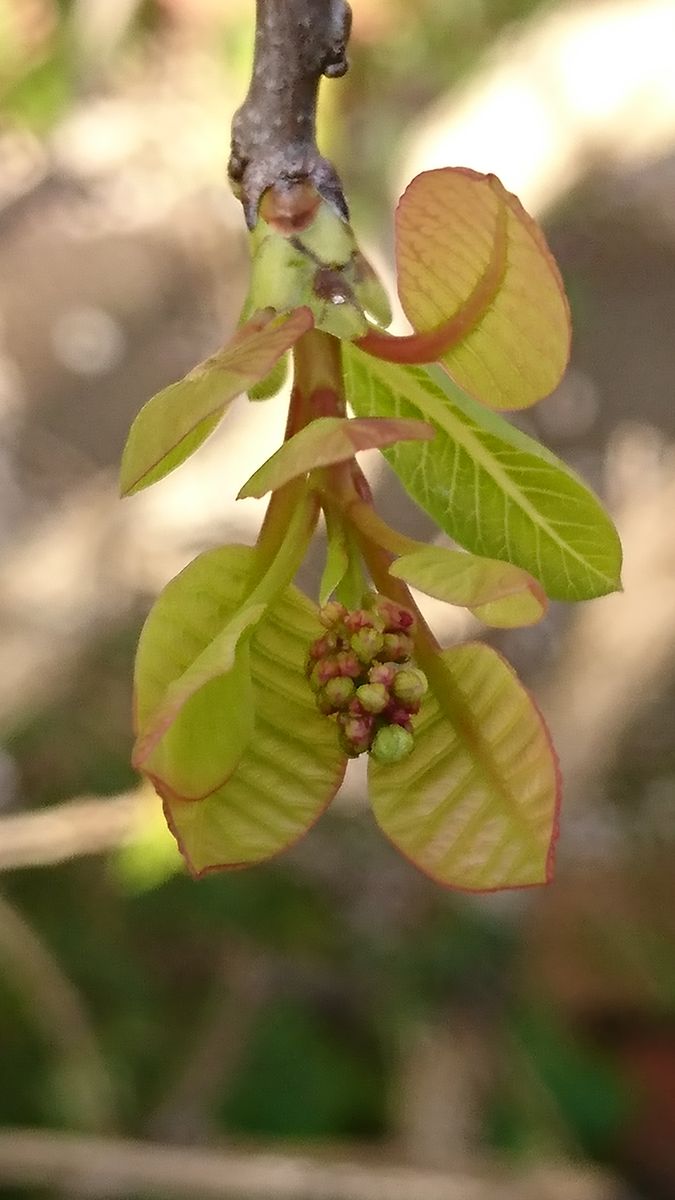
57,1010
274,131
71,830
31,1158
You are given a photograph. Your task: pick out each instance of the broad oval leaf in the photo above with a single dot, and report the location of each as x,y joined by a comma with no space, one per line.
328,440
498,593
175,422
470,259
291,767
475,806
490,487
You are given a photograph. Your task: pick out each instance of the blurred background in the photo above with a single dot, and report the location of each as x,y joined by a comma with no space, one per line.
332,1014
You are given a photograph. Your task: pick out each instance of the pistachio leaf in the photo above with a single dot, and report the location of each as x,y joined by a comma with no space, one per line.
289,766
497,492
196,735
475,806
474,266
328,440
498,593
175,422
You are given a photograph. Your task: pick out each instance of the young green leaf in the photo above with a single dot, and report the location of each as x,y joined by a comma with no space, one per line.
498,593
475,805
337,556
490,487
473,263
175,422
198,732
329,440
292,766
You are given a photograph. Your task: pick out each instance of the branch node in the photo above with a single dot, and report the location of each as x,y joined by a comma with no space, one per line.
274,131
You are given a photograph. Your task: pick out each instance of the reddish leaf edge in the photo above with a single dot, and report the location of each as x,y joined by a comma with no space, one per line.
365,433
219,868
256,324
429,346
421,349
549,868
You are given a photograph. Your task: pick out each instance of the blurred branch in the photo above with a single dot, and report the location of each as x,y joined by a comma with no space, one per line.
57,1010
71,830
122,1168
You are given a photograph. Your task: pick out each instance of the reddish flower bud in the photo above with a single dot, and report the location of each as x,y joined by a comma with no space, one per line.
355,733
397,715
385,673
397,648
397,619
373,697
347,664
325,669
363,618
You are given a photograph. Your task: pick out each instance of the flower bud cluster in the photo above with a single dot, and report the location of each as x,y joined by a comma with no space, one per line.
361,672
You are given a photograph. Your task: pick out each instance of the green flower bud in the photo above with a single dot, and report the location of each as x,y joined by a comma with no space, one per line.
410,686
373,697
336,695
396,647
332,613
367,643
392,744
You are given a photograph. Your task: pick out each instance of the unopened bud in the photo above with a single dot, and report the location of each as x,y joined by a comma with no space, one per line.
373,697
397,619
384,672
347,663
325,669
336,695
396,647
356,733
332,613
363,618
397,715
391,744
367,643
410,686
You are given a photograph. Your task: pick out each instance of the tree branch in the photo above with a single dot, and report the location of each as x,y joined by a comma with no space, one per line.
274,131
127,1169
